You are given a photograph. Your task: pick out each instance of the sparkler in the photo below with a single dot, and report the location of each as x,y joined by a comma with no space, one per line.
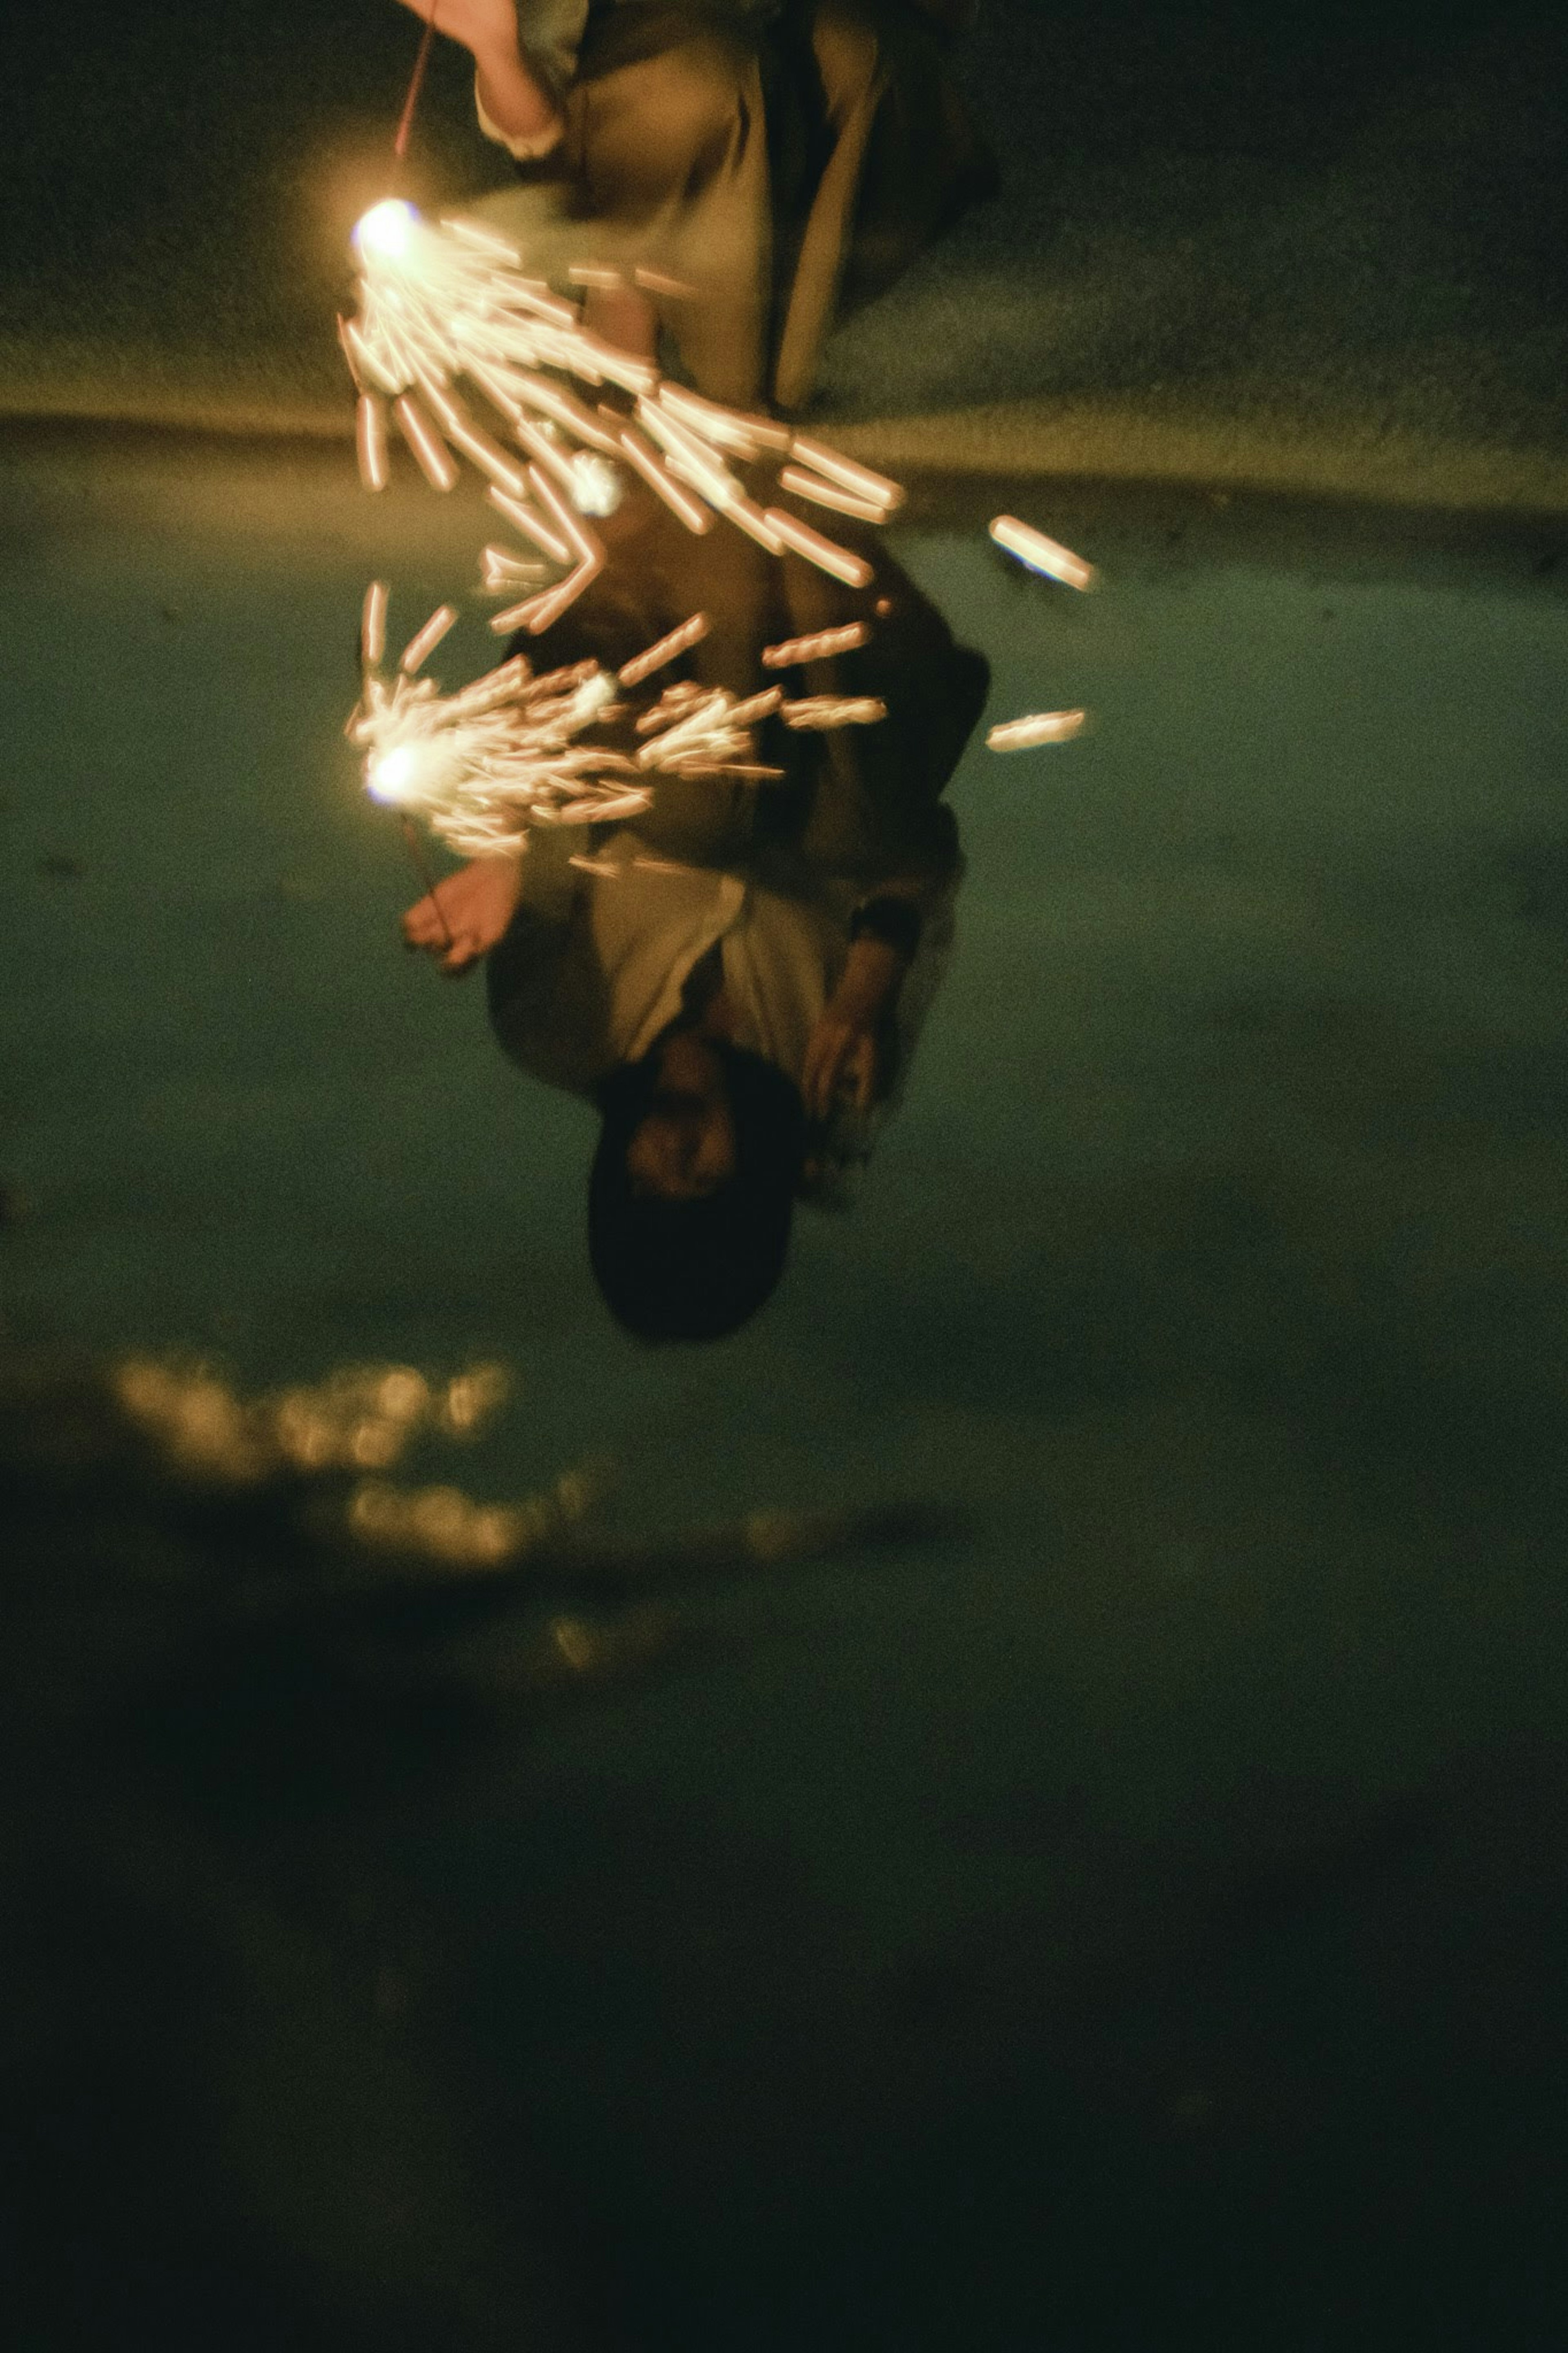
444,300
483,765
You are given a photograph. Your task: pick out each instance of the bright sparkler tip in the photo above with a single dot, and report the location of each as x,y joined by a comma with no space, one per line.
390,775
386,228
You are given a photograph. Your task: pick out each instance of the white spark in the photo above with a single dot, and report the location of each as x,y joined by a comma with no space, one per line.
1042,554
1037,727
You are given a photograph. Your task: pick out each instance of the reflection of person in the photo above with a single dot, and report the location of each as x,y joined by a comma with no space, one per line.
782,161
738,980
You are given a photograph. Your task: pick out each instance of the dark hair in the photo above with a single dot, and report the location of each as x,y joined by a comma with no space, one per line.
696,1270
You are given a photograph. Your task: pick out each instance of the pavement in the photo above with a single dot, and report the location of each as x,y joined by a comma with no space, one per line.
1315,251
1131,1917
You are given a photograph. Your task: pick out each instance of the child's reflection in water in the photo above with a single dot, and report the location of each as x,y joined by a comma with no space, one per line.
741,995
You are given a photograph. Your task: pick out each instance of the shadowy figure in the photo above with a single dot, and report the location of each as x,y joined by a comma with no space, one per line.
771,165
736,979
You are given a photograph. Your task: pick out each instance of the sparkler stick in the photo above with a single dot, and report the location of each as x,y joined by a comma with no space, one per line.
423,867
1040,553
829,494
370,435
689,633
406,123
825,554
843,470
820,647
1038,727
373,624
434,461
425,640
591,273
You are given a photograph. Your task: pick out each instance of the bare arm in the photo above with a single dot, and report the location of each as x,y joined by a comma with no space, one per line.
511,94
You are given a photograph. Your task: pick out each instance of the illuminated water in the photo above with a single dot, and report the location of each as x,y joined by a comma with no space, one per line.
978,1945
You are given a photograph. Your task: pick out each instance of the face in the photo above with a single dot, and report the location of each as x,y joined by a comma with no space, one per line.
684,1147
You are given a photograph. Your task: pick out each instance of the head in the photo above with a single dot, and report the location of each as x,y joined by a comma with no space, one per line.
692,1189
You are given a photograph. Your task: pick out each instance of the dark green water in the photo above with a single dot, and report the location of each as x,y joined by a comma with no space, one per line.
1141,1914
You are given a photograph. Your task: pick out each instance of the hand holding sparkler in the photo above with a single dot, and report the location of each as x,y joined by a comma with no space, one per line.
462,918
516,102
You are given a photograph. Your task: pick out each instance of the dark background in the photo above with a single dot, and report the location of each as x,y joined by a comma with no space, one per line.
1327,224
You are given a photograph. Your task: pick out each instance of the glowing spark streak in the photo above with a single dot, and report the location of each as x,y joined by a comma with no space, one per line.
744,434
459,429
486,240
435,461
500,570
614,366
561,405
689,633
820,647
1040,553
585,547
537,614
818,712
671,703
708,732
544,452
843,470
747,516
654,282
825,554
427,641
680,503
373,624
829,494
688,458
370,440
532,525
363,361
1039,727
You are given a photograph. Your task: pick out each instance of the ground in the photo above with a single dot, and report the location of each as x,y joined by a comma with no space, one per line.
1318,248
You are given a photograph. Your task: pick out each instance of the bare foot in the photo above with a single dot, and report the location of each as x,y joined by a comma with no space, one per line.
463,917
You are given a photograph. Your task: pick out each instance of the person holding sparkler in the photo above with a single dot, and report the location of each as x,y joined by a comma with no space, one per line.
736,978
734,173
